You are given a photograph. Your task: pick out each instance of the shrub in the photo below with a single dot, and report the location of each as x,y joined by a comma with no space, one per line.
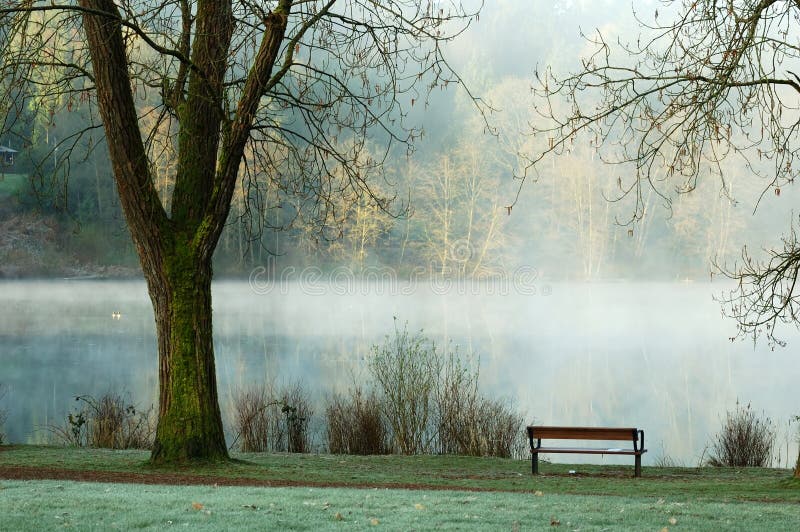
270,420
355,424
432,403
746,440
406,370
498,429
795,419
256,423
3,414
456,407
297,411
107,422
469,423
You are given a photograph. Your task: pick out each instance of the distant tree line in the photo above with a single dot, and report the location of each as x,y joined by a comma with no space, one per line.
449,214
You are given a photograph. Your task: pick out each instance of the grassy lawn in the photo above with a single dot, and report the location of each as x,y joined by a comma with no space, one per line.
50,505
368,493
444,472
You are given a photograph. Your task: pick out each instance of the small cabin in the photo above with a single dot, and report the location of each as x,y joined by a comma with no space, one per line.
6,156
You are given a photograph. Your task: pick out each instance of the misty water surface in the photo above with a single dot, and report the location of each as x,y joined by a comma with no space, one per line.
652,355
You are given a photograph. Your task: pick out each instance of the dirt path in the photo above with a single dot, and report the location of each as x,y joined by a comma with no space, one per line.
175,479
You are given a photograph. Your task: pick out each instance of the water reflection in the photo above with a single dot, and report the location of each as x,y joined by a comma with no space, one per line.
652,355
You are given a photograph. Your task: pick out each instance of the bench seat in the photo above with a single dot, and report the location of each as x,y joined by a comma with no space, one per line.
586,450
629,434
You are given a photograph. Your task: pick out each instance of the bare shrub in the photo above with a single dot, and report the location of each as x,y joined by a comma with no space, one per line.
795,419
498,427
267,419
115,425
73,432
254,425
431,401
355,424
468,423
457,406
297,411
406,369
107,422
3,414
746,440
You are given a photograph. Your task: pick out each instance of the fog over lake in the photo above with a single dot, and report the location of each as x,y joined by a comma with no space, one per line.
652,355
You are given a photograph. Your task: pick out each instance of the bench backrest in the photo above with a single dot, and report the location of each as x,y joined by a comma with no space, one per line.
582,433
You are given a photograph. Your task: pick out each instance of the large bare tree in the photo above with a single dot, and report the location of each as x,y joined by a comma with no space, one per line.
704,86
298,85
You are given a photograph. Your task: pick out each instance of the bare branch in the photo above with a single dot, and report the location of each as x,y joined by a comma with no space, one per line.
715,83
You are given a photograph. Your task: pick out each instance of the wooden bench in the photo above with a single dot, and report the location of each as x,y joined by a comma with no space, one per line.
538,433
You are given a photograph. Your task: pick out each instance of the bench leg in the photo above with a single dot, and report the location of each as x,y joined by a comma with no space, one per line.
534,463
637,470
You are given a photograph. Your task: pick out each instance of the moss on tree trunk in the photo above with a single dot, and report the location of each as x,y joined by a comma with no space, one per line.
190,424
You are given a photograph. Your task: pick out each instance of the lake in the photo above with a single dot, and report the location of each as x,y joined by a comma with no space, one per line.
652,355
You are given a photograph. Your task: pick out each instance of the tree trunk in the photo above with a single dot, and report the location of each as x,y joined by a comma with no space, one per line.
190,424
175,249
